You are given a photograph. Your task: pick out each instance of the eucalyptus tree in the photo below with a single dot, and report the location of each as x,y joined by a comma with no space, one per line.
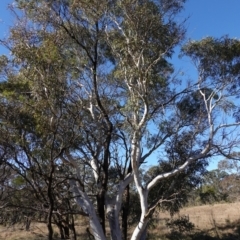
32,118
90,86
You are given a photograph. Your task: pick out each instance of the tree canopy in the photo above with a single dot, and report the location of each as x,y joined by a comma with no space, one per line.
89,95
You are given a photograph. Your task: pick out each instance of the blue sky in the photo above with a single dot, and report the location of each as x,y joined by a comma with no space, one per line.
213,18
6,20
206,18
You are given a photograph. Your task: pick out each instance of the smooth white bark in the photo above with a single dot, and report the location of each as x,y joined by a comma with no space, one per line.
113,220
114,206
139,229
85,203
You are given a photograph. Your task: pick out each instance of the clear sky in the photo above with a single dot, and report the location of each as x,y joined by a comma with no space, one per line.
6,20
213,18
206,18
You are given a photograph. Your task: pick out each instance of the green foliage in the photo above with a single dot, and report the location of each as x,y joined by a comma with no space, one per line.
220,185
180,225
218,57
18,182
175,192
208,194
193,104
180,228
89,85
212,189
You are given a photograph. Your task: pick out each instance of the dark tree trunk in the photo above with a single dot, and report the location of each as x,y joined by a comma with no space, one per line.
125,212
66,227
51,204
28,223
58,222
49,225
101,209
73,229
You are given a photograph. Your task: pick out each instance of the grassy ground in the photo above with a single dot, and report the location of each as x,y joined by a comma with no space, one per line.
212,222
38,231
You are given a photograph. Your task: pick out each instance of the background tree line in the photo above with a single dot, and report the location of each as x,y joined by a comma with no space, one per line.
218,185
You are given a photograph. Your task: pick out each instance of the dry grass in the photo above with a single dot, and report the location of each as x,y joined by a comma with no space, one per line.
222,214
38,232
218,221
203,216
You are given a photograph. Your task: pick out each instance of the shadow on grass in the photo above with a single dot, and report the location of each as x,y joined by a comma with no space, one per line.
231,231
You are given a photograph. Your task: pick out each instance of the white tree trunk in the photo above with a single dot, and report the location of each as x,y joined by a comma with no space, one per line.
96,227
84,202
140,228
113,218
114,206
